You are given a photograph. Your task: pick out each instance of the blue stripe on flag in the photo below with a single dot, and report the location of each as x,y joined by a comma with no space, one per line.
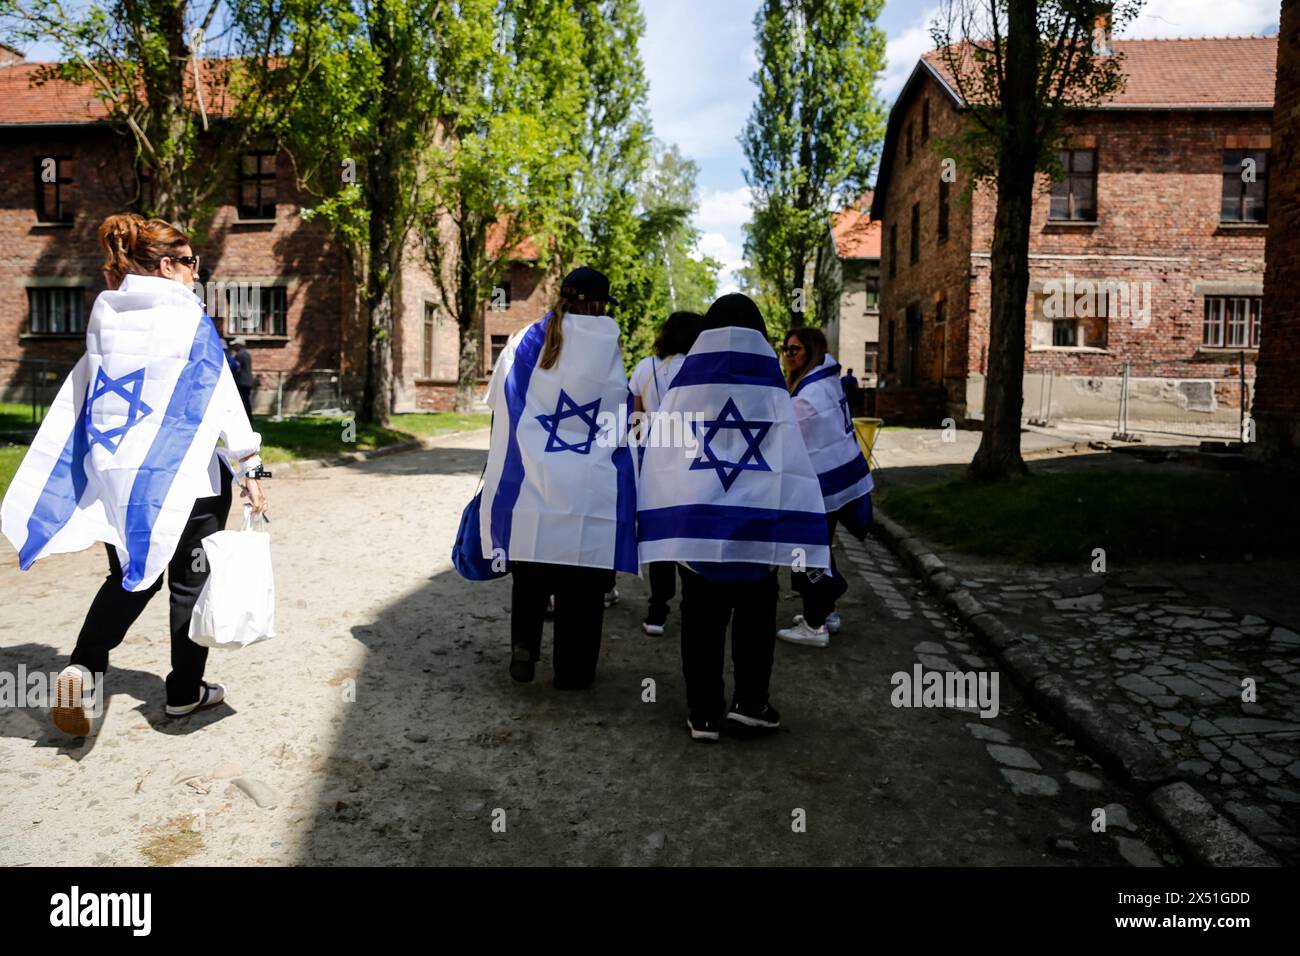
181,420
625,556
817,376
733,523
512,470
844,476
62,491
729,368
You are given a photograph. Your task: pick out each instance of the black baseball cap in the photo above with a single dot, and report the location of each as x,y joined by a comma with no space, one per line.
585,284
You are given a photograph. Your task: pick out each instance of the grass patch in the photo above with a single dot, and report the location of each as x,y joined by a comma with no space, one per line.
1133,515
17,418
10,457
323,437
309,437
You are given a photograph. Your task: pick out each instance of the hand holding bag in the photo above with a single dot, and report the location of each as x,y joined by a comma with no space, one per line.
237,604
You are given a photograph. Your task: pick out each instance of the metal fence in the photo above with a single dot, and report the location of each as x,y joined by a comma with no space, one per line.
33,384
1211,401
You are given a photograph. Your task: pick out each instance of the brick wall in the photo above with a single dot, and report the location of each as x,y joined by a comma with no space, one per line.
933,354
1157,234
1277,404
286,251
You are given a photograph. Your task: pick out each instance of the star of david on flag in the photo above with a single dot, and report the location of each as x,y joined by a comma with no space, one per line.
127,387
848,419
751,459
566,407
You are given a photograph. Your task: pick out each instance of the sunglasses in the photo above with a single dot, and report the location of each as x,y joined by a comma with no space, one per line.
792,349
190,261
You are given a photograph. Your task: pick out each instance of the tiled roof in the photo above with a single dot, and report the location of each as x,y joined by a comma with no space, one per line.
25,100
524,251
857,235
1205,72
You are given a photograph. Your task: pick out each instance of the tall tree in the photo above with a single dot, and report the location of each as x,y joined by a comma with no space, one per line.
361,146
509,97
813,137
1020,67
195,82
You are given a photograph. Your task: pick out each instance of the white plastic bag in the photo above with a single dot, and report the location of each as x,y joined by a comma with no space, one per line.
237,604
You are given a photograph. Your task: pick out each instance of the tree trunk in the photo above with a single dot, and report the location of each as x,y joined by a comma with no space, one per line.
999,451
383,202
468,311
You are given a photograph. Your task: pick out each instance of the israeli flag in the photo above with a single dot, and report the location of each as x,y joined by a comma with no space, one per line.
824,419
743,490
560,483
128,444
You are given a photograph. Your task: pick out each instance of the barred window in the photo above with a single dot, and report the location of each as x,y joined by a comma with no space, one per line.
58,310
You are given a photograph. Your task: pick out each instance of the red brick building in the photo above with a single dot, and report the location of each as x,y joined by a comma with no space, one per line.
66,167
1149,251
1277,399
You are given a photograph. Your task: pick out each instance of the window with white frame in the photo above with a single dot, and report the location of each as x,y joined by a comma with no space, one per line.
1231,322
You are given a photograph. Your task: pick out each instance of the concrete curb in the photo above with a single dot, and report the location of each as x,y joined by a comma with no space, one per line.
1205,834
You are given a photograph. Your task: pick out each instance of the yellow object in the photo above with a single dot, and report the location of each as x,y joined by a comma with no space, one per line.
866,430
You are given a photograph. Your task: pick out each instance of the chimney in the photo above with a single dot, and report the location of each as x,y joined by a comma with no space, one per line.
9,56
1101,26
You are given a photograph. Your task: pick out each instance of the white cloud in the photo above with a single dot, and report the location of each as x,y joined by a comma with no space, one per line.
1199,18
727,251
721,217
903,50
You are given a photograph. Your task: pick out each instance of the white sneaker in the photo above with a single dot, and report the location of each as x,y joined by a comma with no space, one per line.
832,621
74,708
611,598
801,633
210,696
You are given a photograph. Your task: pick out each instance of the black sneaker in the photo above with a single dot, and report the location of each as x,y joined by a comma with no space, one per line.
522,666
764,718
704,728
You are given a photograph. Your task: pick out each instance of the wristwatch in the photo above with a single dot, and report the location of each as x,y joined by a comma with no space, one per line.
252,467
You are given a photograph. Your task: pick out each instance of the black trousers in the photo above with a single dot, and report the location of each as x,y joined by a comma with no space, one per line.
579,615
663,588
246,396
114,609
818,589
707,608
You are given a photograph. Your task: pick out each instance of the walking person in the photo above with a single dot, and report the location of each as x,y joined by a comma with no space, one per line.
744,502
137,452
244,377
559,490
649,384
826,422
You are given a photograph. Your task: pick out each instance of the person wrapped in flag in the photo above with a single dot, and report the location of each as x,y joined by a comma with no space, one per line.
732,506
559,490
649,384
826,422
137,452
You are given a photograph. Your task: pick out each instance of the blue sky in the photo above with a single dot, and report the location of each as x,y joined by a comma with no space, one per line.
700,55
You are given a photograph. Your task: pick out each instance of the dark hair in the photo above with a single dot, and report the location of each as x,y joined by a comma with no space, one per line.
554,340
677,334
735,309
814,346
